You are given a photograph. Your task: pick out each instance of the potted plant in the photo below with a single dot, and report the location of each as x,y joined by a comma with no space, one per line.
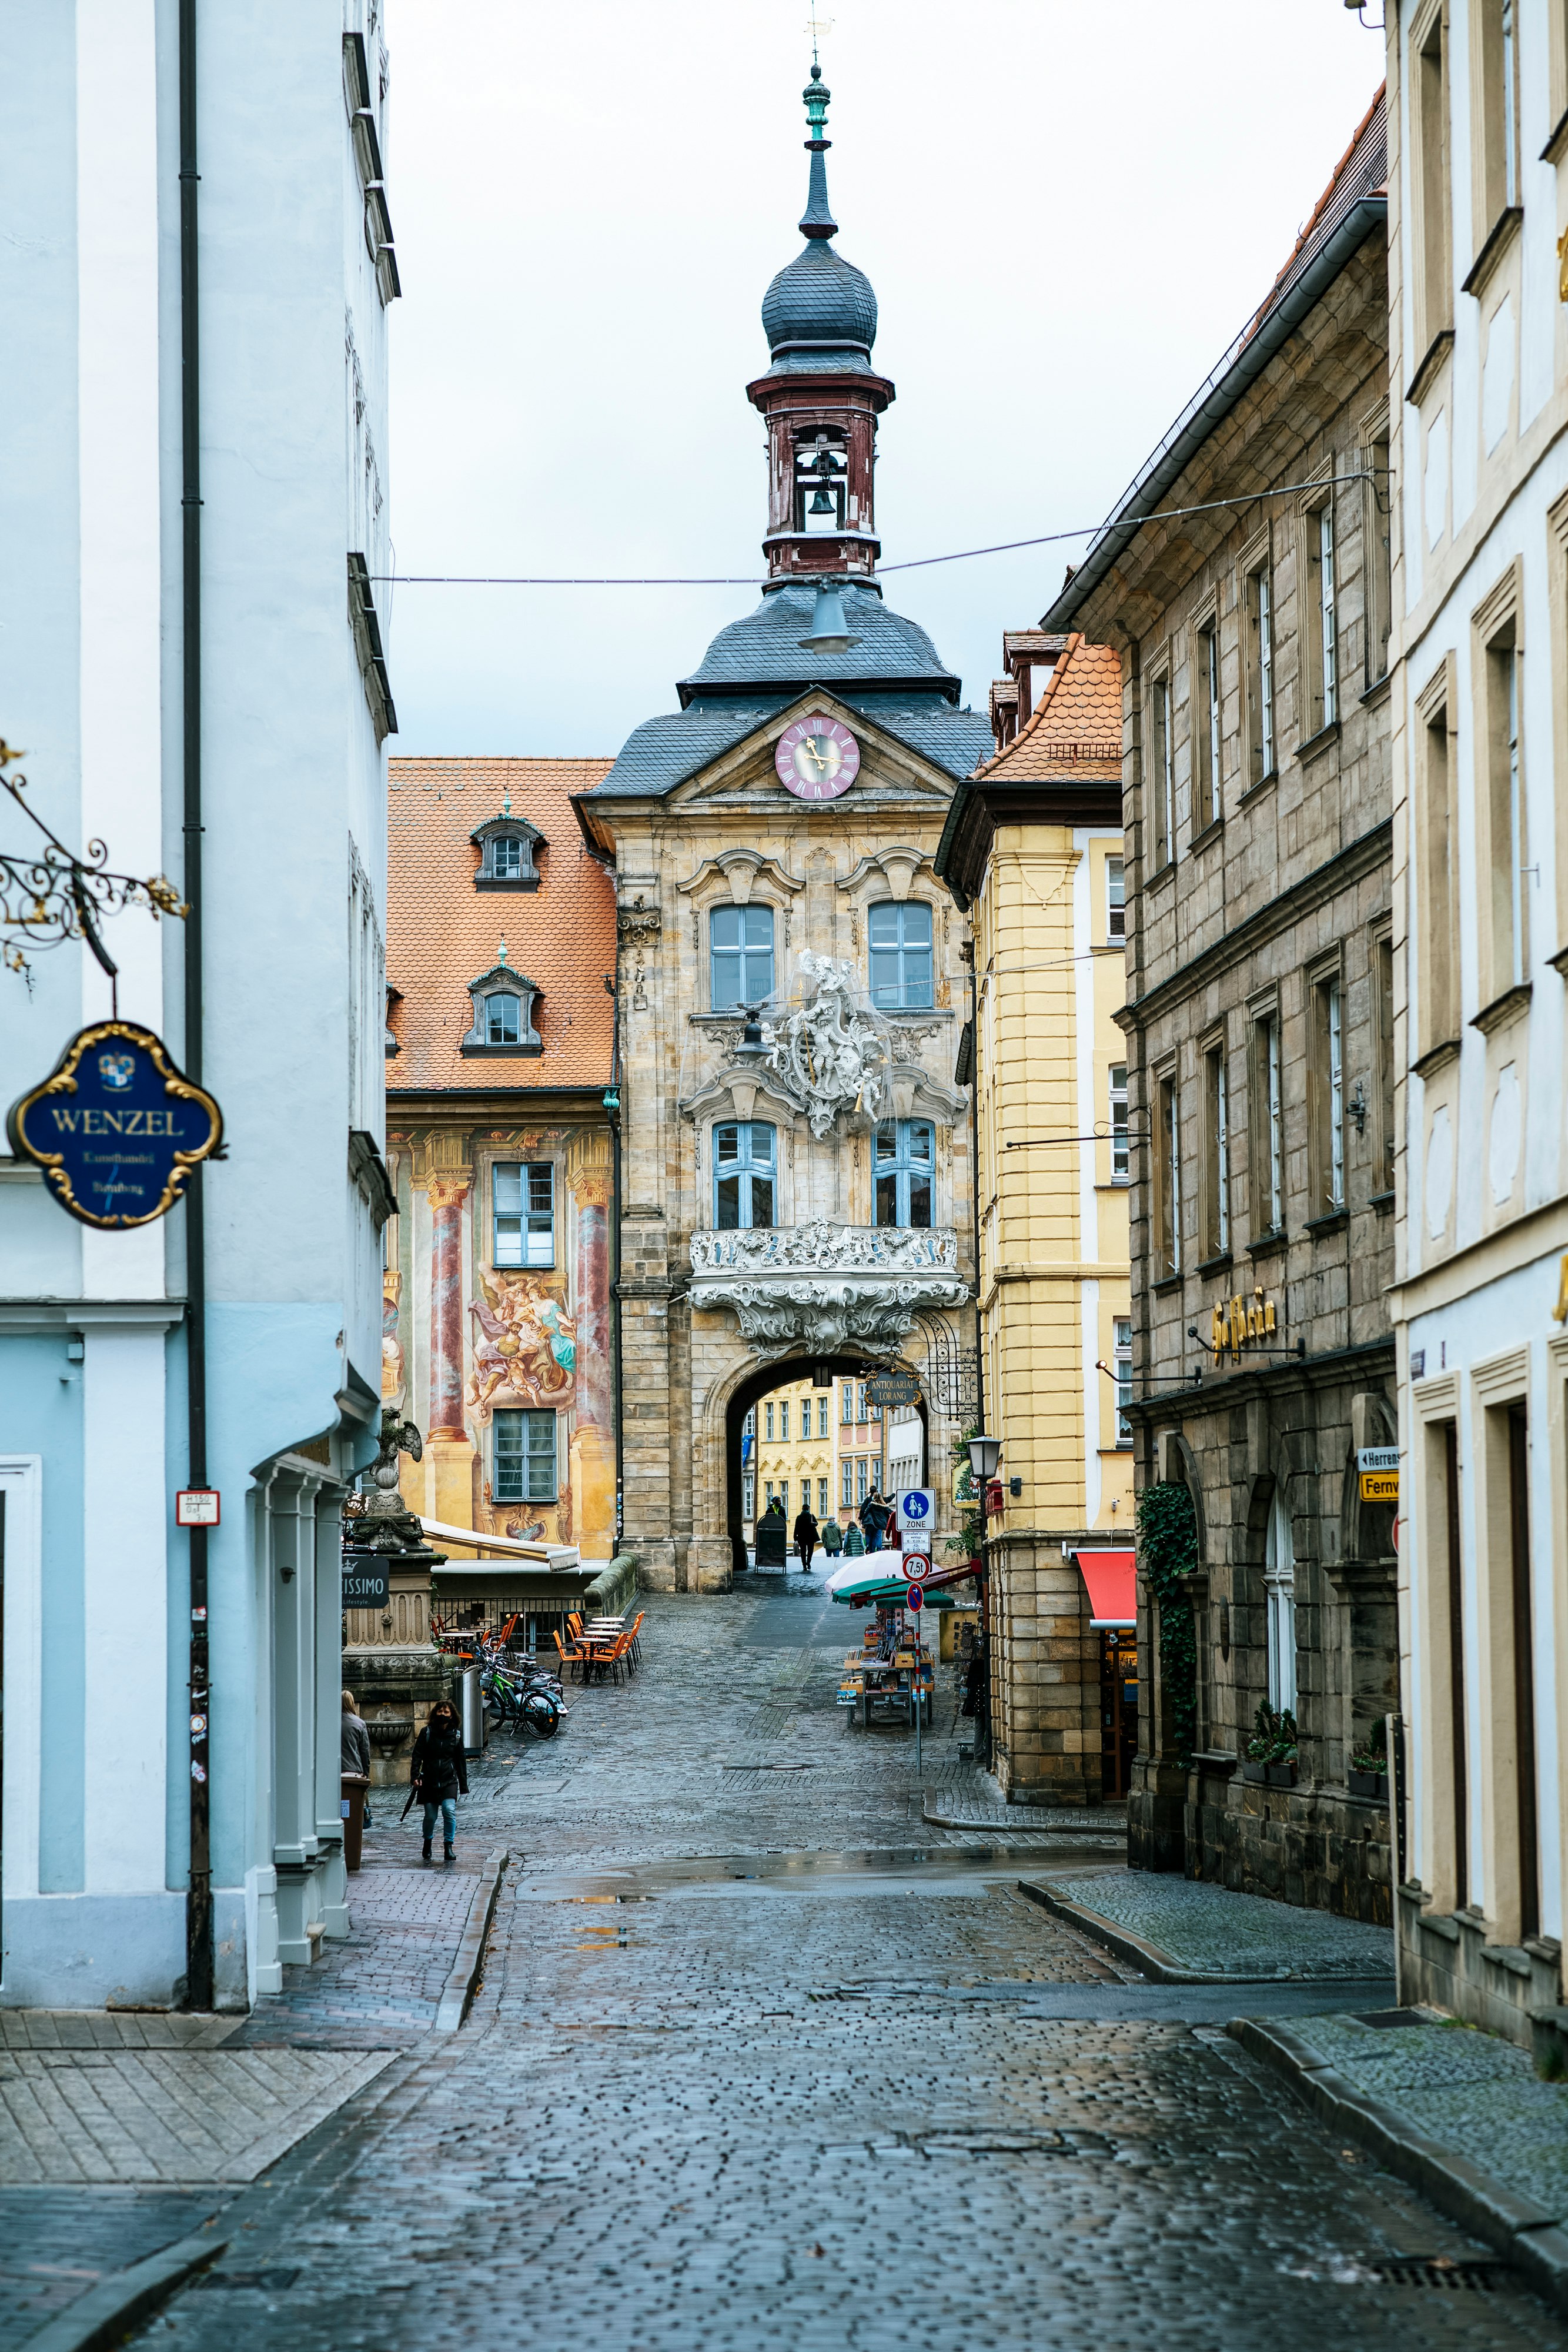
1369,1766
1282,1755
1268,1744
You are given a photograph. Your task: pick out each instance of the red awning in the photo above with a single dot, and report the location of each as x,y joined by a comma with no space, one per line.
1112,1584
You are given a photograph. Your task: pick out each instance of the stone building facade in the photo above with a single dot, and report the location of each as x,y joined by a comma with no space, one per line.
793,1161
1479,184
1032,854
1260,1078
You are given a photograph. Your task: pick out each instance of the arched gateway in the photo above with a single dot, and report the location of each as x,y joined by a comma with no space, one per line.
792,979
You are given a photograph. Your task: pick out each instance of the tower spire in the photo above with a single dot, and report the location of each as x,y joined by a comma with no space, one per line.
817,220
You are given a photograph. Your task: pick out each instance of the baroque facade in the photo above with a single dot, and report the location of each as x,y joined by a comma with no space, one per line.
1032,854
1479,184
1258,1030
793,1164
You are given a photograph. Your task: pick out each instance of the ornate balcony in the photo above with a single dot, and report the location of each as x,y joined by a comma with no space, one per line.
826,1289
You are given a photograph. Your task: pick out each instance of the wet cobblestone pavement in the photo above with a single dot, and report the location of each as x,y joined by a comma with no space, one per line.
762,2058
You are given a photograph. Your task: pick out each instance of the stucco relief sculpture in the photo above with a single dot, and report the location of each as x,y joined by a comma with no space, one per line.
827,1319
827,1248
830,1055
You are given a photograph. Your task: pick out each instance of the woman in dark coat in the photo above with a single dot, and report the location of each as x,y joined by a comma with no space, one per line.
806,1533
439,1770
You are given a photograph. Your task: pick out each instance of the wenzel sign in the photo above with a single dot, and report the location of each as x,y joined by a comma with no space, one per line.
115,1127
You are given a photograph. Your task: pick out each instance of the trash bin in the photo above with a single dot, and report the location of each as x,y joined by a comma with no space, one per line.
471,1711
356,1788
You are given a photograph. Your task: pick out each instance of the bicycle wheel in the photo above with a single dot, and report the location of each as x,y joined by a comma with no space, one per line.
541,1714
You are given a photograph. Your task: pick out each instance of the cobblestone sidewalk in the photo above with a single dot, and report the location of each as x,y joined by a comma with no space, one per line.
1207,1931
379,1986
1472,2093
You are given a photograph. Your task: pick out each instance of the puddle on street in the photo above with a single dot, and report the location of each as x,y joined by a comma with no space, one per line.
894,1871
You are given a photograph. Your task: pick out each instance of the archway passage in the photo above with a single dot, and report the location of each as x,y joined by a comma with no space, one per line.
825,1372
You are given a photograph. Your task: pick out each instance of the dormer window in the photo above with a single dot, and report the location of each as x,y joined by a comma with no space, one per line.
504,1004
508,852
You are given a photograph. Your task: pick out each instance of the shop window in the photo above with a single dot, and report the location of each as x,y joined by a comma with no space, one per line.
523,1212
523,1469
740,943
744,1167
1116,899
1122,1332
904,1165
1280,1606
900,963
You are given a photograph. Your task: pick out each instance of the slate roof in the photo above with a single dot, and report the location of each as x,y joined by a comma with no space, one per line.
820,298
441,933
1075,729
663,752
765,648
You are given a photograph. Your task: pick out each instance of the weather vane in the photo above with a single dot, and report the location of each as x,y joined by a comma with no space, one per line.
817,25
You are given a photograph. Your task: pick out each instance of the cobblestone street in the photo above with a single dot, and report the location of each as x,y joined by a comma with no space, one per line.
763,2057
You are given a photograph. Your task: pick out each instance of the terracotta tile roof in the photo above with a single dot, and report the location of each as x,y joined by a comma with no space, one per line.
1075,729
442,932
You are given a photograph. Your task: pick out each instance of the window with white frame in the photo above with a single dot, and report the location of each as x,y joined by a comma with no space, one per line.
1268,1126
905,1166
523,1462
523,1212
768,1411
1122,1329
901,961
1326,616
740,948
784,1421
1162,772
863,1479
1116,899
846,1483
1261,756
1280,1605
821,1498
1216,1153
748,1495
745,1172
848,1394
1119,1163
1207,721
821,1416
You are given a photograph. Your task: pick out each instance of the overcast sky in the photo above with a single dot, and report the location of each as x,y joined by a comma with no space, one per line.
1066,211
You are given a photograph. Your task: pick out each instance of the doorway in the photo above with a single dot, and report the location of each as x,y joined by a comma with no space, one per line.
1118,1708
801,1430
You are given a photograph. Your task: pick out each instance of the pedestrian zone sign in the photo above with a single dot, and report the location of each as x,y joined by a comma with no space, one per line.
916,1507
1379,1468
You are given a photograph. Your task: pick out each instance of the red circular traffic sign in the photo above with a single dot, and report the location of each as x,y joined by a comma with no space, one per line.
916,1566
915,1598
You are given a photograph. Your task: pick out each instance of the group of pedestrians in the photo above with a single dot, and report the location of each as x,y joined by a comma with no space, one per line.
866,1532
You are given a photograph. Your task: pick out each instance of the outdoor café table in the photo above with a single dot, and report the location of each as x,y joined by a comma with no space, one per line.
894,1685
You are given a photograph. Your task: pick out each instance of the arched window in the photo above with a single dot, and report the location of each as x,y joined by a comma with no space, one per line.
905,1163
503,1019
740,941
1280,1600
744,1168
901,973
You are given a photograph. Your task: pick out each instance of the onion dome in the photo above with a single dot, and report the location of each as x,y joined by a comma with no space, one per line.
819,311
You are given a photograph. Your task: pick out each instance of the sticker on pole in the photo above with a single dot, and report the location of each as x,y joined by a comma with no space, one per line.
917,1566
916,1507
915,1598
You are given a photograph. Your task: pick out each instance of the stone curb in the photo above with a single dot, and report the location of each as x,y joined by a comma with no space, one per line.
1154,1962
1524,2233
458,1990
1054,1822
107,2312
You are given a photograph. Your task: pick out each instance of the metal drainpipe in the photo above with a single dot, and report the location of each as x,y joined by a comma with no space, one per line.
981,1740
199,1988
615,1276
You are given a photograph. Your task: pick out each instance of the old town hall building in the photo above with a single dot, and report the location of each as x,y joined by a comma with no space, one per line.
794,1171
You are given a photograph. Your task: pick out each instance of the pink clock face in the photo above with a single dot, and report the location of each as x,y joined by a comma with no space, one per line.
817,759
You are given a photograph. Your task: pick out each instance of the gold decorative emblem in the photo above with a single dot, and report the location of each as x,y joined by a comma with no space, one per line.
1239,1320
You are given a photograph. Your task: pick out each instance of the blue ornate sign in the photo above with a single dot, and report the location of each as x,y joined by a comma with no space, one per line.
115,1128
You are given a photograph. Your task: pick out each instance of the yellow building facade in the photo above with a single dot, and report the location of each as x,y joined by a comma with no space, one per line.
1032,853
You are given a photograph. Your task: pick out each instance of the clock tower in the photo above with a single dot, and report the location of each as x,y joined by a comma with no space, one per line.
793,1172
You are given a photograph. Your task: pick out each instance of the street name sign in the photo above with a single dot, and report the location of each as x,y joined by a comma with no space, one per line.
1379,1468
115,1127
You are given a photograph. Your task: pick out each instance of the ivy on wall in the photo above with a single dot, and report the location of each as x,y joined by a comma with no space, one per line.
1167,1553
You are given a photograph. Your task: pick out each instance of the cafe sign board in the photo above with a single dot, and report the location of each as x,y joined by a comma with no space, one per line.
1379,1469
115,1127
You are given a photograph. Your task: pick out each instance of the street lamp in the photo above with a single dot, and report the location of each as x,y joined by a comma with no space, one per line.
984,1453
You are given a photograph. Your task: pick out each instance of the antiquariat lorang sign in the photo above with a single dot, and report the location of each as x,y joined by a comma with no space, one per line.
115,1127
1240,1322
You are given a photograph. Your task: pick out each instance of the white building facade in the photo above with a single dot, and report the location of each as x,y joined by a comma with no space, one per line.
163,679
1477,123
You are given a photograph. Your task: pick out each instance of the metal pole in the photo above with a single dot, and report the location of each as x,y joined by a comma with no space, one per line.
199,1992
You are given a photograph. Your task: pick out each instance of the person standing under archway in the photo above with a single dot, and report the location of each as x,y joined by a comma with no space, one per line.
806,1534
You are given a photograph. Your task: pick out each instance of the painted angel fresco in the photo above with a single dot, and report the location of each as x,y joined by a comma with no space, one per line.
525,1344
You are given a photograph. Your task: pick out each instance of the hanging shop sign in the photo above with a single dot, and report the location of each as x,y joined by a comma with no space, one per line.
893,1389
115,1127
365,1583
1241,1321
1379,1468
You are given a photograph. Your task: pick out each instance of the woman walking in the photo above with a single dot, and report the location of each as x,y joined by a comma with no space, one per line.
806,1533
439,1770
